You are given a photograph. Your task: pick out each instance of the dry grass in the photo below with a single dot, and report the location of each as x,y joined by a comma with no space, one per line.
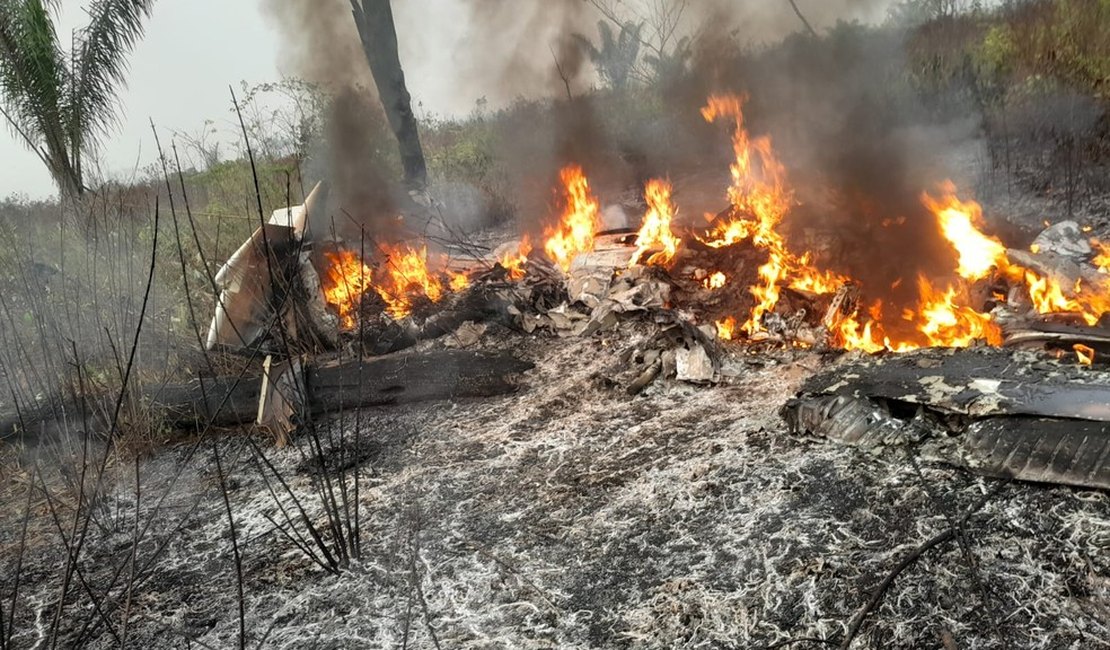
572,516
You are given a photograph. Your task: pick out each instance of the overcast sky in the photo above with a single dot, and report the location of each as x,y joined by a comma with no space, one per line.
180,74
194,49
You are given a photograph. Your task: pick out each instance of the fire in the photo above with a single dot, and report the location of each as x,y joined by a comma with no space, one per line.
715,281
406,278
1102,256
656,230
400,281
760,200
580,221
1085,354
726,329
458,281
1049,297
807,278
959,222
851,335
758,197
347,279
941,320
980,254
514,264
945,323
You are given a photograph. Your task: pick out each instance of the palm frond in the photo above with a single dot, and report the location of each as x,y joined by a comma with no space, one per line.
32,71
606,33
100,63
587,46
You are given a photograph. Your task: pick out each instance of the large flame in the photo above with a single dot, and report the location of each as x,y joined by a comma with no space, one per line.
943,317
850,334
580,221
1050,297
406,278
980,255
400,280
759,201
959,223
947,323
655,233
346,280
758,196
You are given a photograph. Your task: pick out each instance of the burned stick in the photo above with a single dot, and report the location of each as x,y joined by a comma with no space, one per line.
961,539
801,17
234,547
789,642
947,536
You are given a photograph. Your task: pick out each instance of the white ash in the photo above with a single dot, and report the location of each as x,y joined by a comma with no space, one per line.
573,516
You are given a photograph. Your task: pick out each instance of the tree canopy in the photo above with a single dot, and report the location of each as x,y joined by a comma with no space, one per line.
59,102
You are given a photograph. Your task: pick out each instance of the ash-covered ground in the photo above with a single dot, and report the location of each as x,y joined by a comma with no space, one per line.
570,515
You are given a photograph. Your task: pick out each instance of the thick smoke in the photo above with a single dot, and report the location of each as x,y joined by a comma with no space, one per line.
510,49
858,150
321,45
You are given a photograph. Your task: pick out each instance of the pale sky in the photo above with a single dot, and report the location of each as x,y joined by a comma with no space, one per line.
194,49
180,72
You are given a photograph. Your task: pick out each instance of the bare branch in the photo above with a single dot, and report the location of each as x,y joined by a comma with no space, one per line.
802,18
562,74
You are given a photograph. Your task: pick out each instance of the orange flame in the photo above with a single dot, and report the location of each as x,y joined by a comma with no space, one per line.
1050,297
959,222
1085,354
979,254
346,280
655,233
726,329
407,277
948,324
514,264
715,281
1102,256
581,218
400,281
851,335
760,200
458,281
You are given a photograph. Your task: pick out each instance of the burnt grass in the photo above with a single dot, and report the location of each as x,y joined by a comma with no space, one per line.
570,515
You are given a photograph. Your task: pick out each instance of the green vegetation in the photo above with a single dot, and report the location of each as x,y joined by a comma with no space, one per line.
57,102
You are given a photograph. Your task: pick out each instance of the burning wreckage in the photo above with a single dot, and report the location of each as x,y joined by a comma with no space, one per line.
993,364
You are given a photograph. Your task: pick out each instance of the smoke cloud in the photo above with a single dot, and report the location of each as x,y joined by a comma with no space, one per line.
321,45
858,156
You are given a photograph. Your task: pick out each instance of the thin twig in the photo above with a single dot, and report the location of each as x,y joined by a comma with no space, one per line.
234,548
884,586
802,18
562,74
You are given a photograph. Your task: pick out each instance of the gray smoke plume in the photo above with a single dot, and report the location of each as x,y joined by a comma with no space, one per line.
853,146
321,45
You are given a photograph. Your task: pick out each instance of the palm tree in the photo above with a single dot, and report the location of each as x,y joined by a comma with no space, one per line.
670,66
60,103
618,54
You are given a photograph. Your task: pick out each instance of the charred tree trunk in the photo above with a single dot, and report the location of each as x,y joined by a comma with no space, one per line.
328,388
376,28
